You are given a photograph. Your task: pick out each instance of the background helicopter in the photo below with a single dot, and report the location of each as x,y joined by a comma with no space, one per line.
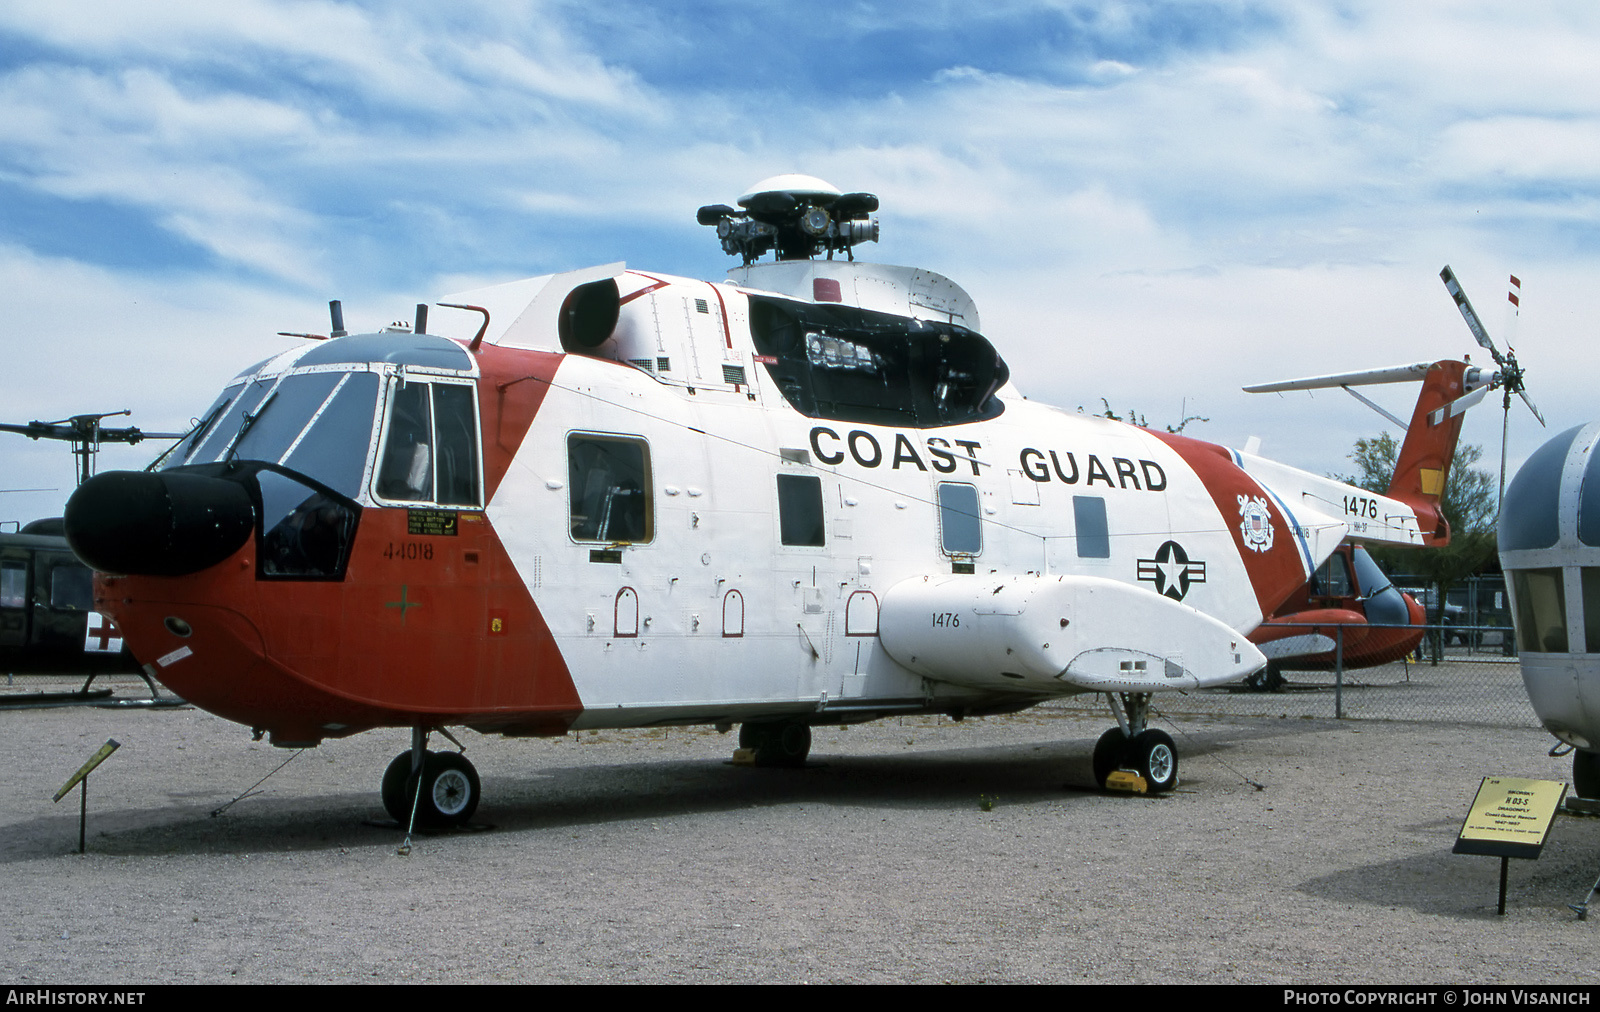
48,623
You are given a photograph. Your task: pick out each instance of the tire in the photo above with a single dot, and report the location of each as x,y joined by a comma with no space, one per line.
450,791
396,799
1108,755
752,736
1586,773
777,743
1155,758
1268,679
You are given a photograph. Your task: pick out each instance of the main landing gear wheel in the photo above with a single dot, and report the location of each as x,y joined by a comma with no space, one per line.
1154,757
1148,752
1586,773
1108,753
778,742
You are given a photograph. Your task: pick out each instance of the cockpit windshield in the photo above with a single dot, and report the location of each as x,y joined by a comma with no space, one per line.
854,365
317,423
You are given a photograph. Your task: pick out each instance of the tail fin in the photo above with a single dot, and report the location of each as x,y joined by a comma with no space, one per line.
1422,469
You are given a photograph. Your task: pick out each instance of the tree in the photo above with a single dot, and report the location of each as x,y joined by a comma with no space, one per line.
1468,506
1134,418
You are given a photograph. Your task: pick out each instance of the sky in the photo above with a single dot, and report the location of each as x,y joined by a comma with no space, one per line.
1155,203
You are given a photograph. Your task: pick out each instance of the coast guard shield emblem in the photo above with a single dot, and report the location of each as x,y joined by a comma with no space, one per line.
1255,523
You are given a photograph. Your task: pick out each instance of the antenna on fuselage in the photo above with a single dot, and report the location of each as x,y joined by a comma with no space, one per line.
336,312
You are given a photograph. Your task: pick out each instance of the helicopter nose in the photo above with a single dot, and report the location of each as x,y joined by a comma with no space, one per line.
157,523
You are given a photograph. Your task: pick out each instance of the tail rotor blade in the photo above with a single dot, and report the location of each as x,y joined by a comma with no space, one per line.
1457,406
1529,402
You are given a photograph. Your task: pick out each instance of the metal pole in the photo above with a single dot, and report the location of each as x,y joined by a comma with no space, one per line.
1504,861
83,810
1338,673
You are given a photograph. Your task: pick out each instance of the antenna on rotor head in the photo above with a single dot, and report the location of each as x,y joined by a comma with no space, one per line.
797,216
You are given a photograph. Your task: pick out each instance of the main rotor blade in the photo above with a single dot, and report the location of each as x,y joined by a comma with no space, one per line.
1389,374
1469,314
40,430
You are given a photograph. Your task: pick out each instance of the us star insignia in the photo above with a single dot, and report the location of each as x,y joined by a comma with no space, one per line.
1172,571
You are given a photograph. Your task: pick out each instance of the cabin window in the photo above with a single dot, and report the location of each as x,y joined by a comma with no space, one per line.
71,588
800,510
609,489
13,585
960,529
1089,517
1541,603
430,450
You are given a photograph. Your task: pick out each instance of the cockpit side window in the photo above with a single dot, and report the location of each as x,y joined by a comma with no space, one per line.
454,422
407,463
1333,578
430,450
1541,603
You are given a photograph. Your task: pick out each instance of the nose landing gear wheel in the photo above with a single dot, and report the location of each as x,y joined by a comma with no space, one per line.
450,790
396,799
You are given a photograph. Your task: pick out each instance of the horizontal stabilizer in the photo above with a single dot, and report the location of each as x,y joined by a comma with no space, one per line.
1366,377
1057,634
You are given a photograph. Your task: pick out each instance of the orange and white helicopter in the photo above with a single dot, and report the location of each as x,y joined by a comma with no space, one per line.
806,494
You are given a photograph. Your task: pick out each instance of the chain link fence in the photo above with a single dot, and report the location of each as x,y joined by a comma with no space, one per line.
1464,671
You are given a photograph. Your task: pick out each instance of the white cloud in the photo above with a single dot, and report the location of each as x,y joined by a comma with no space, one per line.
1149,226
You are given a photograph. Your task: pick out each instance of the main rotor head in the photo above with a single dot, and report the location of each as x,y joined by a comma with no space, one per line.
798,216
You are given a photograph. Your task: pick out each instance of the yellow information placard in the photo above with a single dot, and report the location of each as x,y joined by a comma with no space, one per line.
1510,817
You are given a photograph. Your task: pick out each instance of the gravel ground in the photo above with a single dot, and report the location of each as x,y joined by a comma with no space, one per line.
647,856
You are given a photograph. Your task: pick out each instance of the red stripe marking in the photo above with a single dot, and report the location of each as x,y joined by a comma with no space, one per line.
512,383
1275,573
727,335
643,291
